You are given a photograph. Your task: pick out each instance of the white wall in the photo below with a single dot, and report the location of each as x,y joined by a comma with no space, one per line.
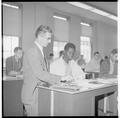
104,36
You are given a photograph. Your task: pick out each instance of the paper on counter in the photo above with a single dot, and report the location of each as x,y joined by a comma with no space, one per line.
108,81
88,83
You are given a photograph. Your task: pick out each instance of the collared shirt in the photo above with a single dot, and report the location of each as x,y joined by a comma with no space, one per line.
111,67
93,66
61,68
40,47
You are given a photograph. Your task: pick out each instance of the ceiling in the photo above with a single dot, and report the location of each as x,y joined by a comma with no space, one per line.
110,7
83,13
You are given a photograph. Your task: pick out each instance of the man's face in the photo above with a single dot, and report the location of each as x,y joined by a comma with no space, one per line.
19,54
44,39
114,57
70,53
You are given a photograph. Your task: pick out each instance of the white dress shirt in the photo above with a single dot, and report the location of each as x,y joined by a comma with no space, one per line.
61,68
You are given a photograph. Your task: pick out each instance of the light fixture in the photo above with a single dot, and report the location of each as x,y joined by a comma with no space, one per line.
92,9
100,12
13,6
59,17
112,17
81,5
86,24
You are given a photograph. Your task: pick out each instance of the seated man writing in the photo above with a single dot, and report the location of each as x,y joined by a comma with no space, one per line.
14,63
66,66
93,66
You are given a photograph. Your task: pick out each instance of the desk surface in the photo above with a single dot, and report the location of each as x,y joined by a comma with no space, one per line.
10,78
83,86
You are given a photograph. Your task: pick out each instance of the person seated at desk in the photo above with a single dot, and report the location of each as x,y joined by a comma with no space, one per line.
93,65
14,63
81,62
109,66
65,65
61,53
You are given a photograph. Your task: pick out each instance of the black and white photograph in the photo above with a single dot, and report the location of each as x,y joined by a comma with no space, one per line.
59,58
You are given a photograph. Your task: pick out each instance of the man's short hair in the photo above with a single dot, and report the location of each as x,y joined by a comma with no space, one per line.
69,45
17,48
114,51
43,29
96,53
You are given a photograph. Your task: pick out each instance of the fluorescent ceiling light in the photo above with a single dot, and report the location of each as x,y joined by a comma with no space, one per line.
100,12
8,5
92,9
82,5
86,24
112,17
61,18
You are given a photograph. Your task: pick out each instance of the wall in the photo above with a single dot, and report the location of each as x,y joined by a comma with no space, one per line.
36,14
104,36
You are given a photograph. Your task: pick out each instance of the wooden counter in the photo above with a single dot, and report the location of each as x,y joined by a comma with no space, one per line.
12,105
64,102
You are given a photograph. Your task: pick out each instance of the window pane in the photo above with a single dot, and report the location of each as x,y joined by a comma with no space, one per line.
9,43
57,47
85,48
61,30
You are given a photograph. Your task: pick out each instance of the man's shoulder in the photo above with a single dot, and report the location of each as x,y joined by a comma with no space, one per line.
10,58
31,50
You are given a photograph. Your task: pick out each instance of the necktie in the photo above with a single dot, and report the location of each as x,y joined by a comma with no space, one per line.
46,63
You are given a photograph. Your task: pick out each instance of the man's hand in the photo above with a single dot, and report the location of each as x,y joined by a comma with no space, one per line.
66,78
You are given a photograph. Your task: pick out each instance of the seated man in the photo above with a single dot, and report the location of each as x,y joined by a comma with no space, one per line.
94,63
14,63
65,65
61,53
109,66
93,66
81,62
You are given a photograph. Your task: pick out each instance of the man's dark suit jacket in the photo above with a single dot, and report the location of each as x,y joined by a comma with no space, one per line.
34,72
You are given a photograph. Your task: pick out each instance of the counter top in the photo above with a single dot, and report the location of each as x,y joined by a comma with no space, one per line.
10,78
83,85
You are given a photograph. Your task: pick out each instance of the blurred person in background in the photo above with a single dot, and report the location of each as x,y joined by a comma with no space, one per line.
81,62
14,63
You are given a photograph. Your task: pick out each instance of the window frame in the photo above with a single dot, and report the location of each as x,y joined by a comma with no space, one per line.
11,50
58,47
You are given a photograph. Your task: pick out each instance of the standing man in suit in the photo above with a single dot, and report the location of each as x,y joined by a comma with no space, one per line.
35,70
